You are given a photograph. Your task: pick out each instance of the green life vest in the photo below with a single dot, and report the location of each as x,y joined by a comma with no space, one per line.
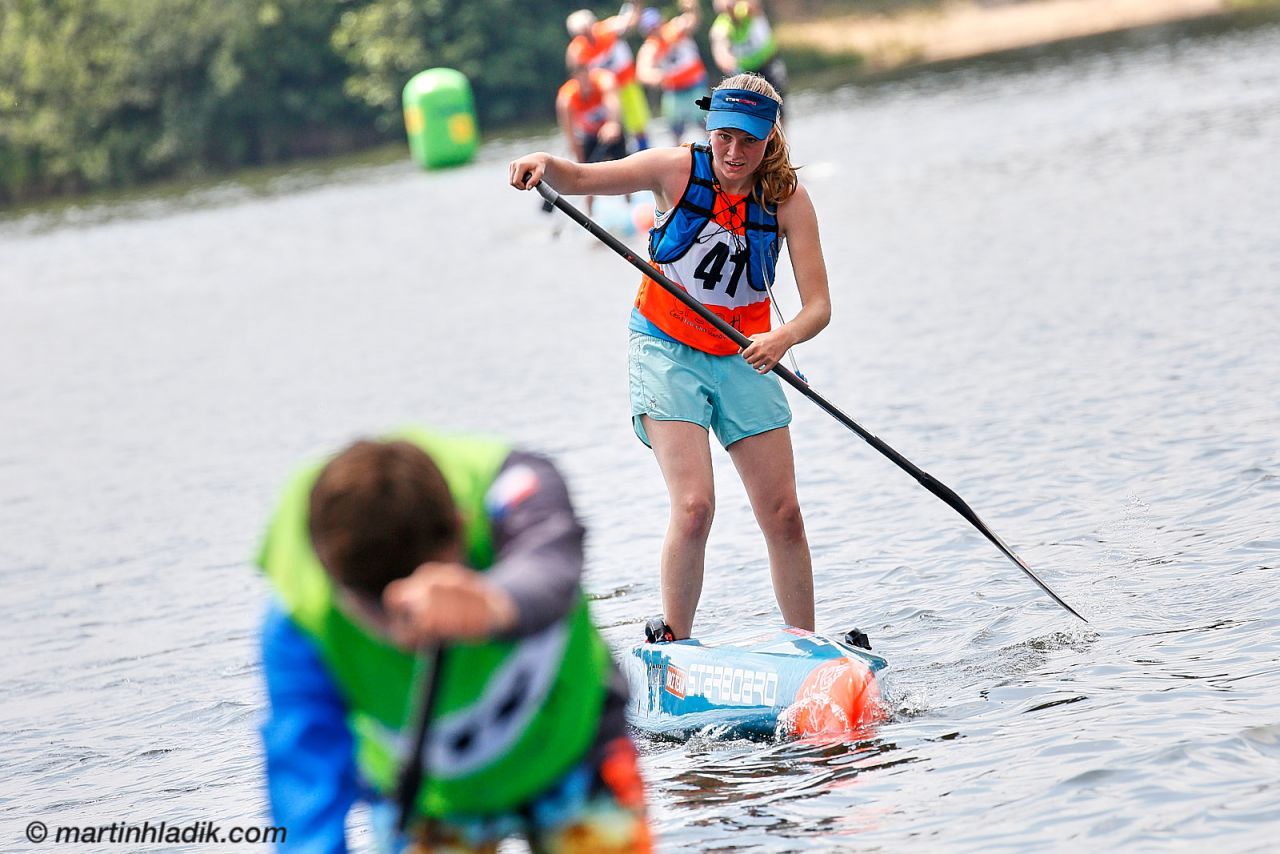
751,40
511,716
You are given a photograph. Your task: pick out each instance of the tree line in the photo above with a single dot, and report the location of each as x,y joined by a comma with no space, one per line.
110,93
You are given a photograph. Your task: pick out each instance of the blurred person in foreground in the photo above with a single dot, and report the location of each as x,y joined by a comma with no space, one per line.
725,209
669,60
601,44
419,539
742,40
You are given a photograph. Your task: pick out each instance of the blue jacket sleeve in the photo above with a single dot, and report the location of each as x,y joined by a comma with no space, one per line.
311,773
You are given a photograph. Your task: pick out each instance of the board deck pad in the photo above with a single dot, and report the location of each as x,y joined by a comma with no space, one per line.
785,683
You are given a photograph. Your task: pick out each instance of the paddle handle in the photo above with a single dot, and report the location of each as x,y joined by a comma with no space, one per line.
415,767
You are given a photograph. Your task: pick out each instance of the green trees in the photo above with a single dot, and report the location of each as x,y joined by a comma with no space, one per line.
511,50
102,93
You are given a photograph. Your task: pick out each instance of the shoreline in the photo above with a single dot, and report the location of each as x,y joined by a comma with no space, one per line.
965,29
821,50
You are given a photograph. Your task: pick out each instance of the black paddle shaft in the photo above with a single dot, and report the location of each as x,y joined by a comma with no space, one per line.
414,770
922,477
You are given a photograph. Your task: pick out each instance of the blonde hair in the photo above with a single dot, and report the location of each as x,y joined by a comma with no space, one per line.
776,179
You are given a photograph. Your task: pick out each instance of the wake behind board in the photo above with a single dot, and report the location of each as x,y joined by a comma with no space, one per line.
790,683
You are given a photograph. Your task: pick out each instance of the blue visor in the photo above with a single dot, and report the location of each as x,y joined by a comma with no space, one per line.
743,109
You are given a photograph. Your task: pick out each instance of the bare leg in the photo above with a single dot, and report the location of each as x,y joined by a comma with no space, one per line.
684,455
768,472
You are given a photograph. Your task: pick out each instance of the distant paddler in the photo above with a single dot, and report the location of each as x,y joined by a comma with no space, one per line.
742,40
601,44
669,60
427,595
726,209
589,115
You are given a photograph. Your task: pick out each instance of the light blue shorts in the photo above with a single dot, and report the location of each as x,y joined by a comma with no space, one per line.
671,381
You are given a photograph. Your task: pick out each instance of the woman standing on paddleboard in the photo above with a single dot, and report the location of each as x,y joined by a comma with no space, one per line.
725,210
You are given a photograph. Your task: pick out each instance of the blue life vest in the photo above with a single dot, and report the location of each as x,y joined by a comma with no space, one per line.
670,241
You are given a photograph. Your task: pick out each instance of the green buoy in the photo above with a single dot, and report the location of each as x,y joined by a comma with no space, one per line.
440,118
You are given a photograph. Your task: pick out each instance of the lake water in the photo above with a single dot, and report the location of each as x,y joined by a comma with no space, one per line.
1057,288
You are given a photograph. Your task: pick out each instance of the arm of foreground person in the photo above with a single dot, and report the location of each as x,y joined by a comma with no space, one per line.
539,541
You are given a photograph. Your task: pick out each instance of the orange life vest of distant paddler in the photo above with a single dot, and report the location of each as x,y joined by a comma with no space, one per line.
677,57
587,110
604,49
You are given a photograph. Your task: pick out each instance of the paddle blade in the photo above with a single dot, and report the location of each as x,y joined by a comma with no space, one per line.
948,495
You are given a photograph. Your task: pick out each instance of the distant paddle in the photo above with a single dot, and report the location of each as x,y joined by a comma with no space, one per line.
925,479
415,767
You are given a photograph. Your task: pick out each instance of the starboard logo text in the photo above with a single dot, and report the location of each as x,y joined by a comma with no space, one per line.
738,685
